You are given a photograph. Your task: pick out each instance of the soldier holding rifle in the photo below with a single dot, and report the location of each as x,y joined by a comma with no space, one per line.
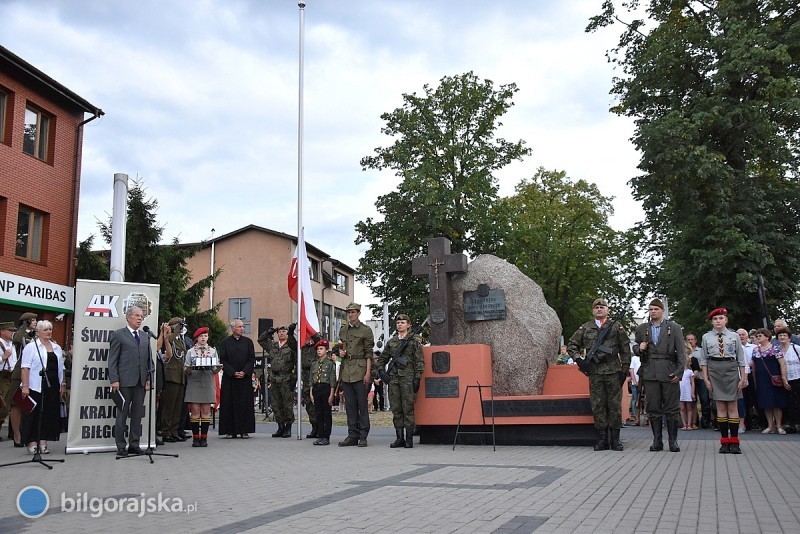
601,349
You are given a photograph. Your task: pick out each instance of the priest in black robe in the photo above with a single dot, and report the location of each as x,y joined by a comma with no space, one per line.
238,356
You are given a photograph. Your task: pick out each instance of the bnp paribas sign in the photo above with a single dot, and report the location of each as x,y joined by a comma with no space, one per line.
38,294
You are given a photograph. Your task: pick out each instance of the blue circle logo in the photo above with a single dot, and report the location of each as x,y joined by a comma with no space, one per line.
33,502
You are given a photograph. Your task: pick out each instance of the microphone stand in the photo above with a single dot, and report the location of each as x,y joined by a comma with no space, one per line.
151,366
37,456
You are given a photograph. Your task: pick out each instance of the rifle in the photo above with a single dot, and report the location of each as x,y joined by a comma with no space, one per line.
592,356
399,359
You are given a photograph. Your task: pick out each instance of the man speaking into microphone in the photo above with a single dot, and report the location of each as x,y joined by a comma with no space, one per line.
128,365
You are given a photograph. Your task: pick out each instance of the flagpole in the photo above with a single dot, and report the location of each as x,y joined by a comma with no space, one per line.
301,5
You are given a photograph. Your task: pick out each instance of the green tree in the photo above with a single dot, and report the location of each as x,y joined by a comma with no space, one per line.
445,154
89,264
714,88
147,261
559,236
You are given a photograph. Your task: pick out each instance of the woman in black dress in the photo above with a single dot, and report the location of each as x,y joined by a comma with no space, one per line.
45,353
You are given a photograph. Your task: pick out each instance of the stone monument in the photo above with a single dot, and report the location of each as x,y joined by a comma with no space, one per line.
525,341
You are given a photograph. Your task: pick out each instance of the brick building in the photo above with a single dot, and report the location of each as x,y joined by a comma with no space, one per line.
253,284
41,136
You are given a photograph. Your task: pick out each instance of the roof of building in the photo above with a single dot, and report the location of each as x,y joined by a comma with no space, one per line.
7,56
309,247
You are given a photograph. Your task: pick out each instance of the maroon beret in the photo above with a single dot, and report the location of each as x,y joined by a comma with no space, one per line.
717,311
201,330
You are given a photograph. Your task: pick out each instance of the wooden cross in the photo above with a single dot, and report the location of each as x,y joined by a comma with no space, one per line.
441,295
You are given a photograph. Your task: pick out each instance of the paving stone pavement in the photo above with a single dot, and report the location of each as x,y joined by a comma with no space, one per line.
266,484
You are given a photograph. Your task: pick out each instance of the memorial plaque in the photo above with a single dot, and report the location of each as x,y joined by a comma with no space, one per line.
438,316
440,363
445,387
484,304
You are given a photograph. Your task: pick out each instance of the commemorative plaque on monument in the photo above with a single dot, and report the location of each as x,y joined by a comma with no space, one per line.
484,304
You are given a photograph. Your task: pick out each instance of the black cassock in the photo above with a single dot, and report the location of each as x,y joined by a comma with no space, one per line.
236,412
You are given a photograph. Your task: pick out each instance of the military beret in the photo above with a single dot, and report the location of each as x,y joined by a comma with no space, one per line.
8,325
175,320
28,315
353,306
717,311
323,343
657,303
200,331
284,327
600,302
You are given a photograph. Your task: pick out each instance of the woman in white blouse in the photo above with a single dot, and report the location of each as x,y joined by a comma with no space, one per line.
43,354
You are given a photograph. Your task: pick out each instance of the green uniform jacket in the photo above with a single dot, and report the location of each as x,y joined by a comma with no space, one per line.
173,369
308,355
283,367
665,358
413,351
619,361
358,341
322,372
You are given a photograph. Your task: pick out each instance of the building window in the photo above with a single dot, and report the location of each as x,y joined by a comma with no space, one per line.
3,114
29,234
340,282
339,319
239,308
36,133
313,269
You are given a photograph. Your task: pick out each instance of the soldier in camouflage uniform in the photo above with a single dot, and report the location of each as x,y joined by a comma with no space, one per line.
308,355
407,364
605,378
282,374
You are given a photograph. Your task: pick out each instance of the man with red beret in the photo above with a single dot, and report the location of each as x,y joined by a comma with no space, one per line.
723,365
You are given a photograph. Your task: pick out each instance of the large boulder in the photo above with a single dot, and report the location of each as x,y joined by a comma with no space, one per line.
525,342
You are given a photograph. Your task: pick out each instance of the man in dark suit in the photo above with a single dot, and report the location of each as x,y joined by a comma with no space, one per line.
128,364
659,344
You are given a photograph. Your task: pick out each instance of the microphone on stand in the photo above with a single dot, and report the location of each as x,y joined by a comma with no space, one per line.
146,329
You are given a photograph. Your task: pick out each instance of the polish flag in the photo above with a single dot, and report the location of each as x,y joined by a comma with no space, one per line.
309,323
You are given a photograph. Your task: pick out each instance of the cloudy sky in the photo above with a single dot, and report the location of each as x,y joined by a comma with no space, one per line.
201,100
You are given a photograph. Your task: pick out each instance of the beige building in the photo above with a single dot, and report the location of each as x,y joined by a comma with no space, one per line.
253,283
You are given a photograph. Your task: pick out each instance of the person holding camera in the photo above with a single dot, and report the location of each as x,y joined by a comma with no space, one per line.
282,373
174,382
26,332
660,346
406,364
607,374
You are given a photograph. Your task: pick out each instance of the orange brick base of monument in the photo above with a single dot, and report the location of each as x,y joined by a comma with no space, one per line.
561,415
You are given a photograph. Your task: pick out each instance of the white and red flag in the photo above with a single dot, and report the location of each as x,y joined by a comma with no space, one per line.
309,323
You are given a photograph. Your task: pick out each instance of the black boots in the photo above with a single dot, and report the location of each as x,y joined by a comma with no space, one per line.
672,433
409,438
279,432
616,444
602,443
313,433
287,431
658,444
400,441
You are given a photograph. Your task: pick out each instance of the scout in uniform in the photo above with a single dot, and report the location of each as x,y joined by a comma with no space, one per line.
322,379
722,364
404,355
606,376
659,345
355,376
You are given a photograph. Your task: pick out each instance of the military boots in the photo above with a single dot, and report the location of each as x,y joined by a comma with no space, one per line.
287,431
279,433
658,444
616,444
602,443
400,441
672,433
313,433
409,438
